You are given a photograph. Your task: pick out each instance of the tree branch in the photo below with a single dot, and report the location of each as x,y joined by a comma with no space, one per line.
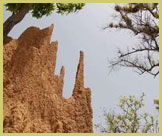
15,18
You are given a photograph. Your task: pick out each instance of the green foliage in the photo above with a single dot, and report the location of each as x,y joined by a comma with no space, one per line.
156,102
69,7
40,9
13,7
130,118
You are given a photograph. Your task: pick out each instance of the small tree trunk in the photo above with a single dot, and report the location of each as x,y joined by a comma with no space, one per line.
15,18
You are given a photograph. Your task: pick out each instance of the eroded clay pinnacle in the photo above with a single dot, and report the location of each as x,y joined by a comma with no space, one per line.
62,72
61,81
79,81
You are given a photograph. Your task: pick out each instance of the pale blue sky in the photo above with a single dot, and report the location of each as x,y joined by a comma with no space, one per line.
83,31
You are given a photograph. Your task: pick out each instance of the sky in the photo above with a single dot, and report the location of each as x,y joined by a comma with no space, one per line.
84,31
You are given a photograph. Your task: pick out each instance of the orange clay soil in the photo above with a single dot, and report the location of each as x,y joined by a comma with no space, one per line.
32,93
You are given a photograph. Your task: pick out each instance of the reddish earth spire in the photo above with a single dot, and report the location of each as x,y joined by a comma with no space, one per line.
32,92
79,80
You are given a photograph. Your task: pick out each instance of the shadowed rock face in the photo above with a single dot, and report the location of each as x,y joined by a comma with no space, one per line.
32,93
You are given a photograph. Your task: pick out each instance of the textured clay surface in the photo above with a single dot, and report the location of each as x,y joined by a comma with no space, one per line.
32,93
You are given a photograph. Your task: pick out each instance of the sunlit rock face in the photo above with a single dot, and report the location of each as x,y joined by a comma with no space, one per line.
32,93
